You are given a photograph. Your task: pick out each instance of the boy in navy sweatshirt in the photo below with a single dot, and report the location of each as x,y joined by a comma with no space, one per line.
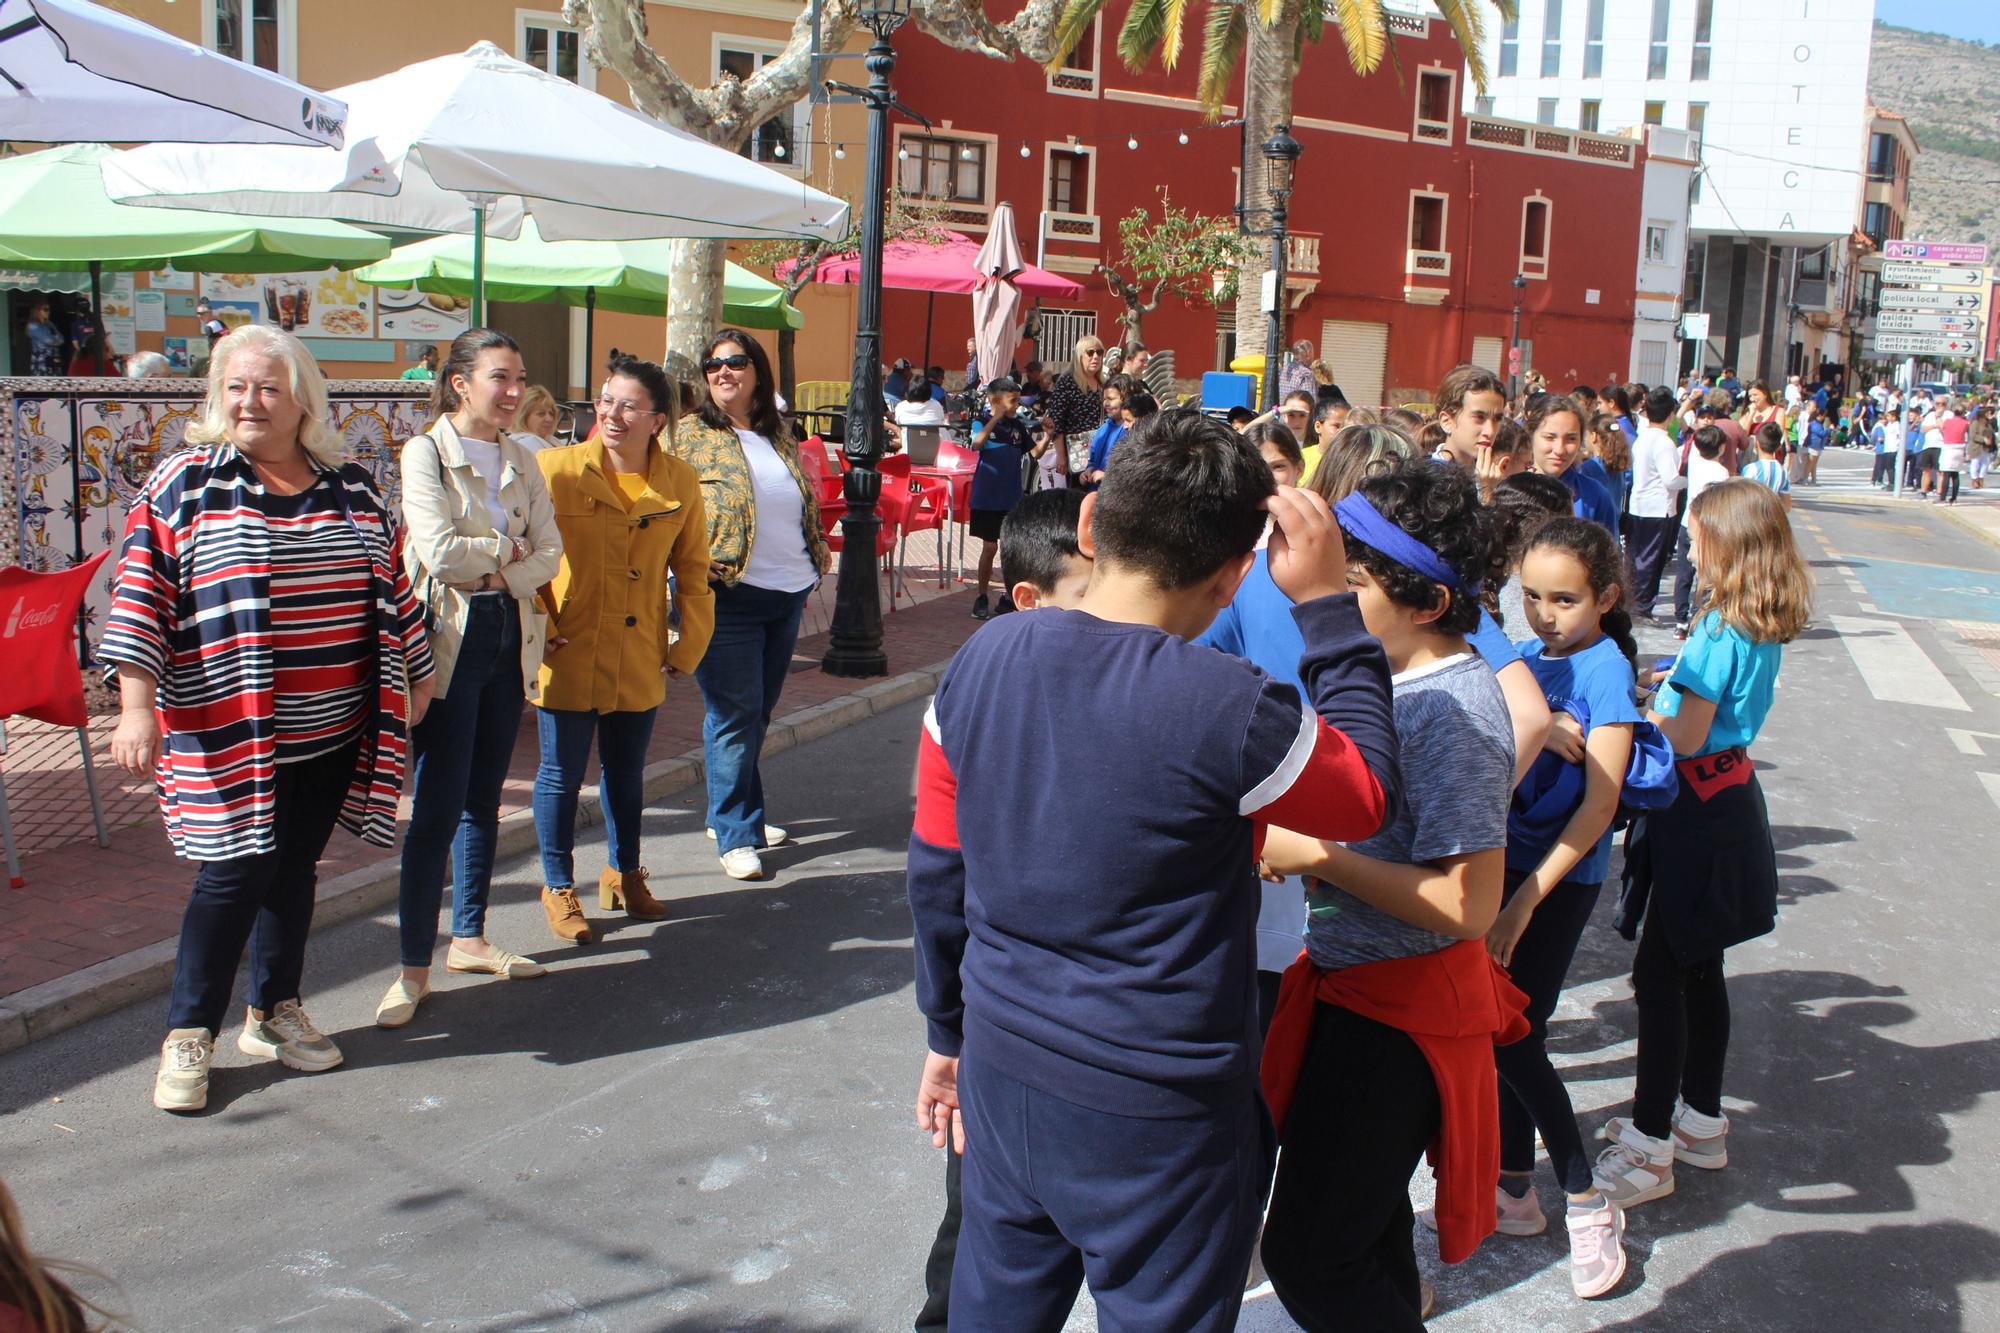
1090,990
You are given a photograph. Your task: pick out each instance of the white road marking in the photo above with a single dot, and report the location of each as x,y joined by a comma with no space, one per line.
1968,741
1892,665
1991,781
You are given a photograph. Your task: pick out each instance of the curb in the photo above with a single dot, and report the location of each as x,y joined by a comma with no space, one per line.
1965,523
1961,520
42,1011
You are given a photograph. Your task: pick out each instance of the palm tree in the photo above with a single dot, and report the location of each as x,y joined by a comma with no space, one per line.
1266,39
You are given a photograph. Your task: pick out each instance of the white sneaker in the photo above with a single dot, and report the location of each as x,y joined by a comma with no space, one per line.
288,1037
182,1083
773,836
1709,1152
742,863
1596,1249
1636,1169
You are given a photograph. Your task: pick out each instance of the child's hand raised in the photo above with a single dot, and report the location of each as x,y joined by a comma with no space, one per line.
1308,557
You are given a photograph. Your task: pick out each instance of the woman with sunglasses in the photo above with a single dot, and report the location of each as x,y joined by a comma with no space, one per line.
766,553
1075,411
629,512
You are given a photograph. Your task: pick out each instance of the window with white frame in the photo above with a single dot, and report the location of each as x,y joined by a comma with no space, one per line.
1656,52
1704,33
1545,111
1077,75
1069,180
943,167
1535,212
1510,48
1659,240
780,141
1427,254
543,40
1436,95
1588,114
1593,40
1552,24
263,33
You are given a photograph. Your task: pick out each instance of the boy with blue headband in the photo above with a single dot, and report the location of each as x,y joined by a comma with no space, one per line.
1382,1044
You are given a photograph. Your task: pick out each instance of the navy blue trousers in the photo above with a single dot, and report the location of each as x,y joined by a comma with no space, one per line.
1159,1214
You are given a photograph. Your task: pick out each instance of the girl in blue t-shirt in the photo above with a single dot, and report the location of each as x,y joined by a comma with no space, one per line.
1573,592
1701,874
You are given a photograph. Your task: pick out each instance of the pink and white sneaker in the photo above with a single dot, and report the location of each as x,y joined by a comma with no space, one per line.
1596,1248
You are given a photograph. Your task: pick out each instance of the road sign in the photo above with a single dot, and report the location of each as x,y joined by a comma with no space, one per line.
1919,275
1694,326
1938,252
1897,298
1925,321
1923,344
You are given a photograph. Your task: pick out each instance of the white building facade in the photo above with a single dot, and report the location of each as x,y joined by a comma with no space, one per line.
1775,92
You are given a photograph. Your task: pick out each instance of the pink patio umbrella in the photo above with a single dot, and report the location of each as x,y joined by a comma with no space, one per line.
997,315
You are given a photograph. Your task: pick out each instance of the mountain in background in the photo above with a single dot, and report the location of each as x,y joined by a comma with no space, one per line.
1949,91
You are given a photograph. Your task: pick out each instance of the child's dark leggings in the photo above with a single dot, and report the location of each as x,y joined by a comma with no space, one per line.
1532,1095
1947,485
1683,1031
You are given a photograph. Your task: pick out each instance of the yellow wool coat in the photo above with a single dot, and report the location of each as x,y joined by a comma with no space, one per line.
610,593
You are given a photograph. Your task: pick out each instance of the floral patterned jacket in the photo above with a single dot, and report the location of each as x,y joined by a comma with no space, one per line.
728,499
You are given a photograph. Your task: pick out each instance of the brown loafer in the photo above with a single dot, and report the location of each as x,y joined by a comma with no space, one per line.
566,917
628,887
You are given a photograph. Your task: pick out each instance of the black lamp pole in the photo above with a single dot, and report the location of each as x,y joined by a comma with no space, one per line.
1281,155
1520,286
854,646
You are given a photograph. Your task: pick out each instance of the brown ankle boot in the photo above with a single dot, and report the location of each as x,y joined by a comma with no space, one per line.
629,886
566,917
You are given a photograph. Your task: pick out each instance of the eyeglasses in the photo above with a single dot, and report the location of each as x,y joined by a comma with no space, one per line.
735,361
1093,351
608,406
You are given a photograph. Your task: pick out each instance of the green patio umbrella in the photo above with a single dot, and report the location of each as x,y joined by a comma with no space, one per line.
626,276
55,215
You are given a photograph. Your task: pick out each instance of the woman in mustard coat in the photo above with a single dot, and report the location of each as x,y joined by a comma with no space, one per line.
629,512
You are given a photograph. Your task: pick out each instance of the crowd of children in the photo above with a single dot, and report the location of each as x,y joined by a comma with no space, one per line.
1399,685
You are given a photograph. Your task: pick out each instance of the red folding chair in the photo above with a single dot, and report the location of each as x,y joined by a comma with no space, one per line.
893,509
826,484
42,680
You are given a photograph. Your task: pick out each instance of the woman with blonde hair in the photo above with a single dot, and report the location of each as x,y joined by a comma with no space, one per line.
268,675
539,418
32,1289
1073,412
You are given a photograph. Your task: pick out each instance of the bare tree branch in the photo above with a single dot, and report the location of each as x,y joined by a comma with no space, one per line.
1029,35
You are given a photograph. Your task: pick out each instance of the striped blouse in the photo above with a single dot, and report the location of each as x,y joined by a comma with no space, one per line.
192,608
322,628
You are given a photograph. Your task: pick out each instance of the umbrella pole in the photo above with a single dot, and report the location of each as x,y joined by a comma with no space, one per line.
930,308
97,319
588,377
479,262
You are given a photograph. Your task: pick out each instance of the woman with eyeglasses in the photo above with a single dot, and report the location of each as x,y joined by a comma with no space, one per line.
766,553
1075,410
629,512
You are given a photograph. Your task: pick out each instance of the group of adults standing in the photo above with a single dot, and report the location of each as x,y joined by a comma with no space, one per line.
285,642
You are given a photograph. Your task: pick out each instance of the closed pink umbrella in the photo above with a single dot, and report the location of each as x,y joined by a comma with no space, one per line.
996,302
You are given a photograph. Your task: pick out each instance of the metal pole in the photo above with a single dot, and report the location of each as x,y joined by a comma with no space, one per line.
97,322
854,641
479,262
589,338
1274,340
1514,347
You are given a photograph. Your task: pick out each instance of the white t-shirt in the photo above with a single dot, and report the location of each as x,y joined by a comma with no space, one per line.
485,458
1656,474
930,412
1703,473
779,560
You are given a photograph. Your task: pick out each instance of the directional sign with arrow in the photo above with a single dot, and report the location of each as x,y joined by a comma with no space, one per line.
1925,321
1895,298
1924,344
1918,275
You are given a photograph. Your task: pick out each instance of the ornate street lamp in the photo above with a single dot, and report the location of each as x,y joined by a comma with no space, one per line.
1281,157
1520,286
854,646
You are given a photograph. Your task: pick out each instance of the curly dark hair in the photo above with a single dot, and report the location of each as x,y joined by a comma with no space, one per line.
1439,506
1603,559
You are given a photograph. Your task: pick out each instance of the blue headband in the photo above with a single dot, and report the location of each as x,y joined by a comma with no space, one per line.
1365,521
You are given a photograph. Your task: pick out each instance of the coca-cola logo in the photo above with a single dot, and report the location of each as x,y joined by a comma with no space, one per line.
314,118
22,617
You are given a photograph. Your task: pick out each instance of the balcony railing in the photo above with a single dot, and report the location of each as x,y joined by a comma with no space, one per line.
1073,227
1550,141
1302,254
1427,263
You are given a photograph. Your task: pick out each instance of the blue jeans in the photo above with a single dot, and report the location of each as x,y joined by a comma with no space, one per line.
622,739
741,677
462,747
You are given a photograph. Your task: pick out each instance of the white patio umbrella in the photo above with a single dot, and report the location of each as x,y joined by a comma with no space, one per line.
75,72
474,143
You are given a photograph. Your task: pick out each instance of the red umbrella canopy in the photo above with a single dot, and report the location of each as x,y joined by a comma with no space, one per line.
951,265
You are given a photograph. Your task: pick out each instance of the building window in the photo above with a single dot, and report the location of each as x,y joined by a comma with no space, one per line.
1704,31
257,32
1588,114
1593,41
1077,75
938,167
547,43
1552,22
781,140
1435,89
1812,266
1656,113
1545,111
1882,157
1656,54
1697,117
1426,224
1658,237
1069,180
1534,237
1510,48
1879,222
1482,106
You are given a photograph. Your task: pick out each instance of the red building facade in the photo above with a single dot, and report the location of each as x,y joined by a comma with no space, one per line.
1409,218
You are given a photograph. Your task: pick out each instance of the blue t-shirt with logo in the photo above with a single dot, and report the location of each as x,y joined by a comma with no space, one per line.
1722,663
996,482
1601,679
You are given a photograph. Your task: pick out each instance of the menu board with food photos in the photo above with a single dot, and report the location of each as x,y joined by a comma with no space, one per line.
331,304
422,316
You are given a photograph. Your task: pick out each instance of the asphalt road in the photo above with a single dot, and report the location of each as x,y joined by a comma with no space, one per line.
704,1125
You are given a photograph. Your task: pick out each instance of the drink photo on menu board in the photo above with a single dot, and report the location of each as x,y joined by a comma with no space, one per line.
313,305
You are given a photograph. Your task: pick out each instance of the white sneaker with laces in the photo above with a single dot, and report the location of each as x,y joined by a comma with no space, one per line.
1710,1151
1636,1169
1596,1249
182,1083
288,1037
742,863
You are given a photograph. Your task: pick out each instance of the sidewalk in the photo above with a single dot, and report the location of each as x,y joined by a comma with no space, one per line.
94,928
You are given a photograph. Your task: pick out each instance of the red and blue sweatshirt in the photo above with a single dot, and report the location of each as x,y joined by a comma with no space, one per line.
1082,866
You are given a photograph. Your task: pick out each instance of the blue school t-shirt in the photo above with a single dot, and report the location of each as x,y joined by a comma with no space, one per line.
1492,644
996,482
1722,663
1601,679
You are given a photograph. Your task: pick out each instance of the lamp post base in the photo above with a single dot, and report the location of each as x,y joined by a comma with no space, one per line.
854,646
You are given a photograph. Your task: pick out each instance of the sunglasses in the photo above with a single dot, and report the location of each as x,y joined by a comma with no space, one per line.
735,361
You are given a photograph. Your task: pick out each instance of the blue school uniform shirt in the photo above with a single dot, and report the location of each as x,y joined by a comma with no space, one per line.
996,481
1722,663
1590,498
1492,644
1600,678
1880,435
1110,434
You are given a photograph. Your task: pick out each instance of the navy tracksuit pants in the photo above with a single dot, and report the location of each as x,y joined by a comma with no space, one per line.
1159,1214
